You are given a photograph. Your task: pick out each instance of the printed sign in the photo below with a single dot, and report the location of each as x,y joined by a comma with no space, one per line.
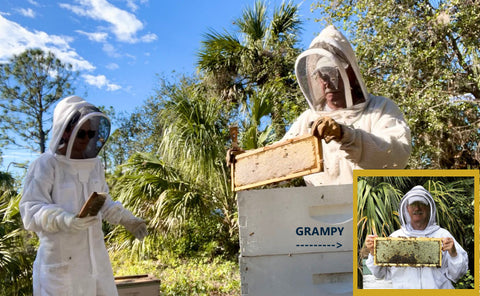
296,220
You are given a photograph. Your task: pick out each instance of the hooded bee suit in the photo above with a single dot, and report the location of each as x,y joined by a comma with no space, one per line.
72,258
375,134
453,268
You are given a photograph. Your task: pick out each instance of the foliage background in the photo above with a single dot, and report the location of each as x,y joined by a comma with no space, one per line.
166,161
425,56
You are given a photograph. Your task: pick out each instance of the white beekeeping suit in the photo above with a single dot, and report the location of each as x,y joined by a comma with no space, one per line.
72,258
372,131
453,268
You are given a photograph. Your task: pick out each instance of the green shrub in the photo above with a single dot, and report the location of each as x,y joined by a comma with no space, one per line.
466,282
184,276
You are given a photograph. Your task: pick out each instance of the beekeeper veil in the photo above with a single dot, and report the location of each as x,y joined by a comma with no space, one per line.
330,57
418,193
77,122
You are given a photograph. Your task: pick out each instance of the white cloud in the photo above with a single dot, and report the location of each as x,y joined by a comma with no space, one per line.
14,158
100,81
95,36
35,3
149,38
123,24
19,153
112,66
26,12
133,5
15,39
110,50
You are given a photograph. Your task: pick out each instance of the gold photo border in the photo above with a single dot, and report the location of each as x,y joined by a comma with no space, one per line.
417,173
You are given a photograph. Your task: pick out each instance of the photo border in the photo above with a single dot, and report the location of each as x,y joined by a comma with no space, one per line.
417,173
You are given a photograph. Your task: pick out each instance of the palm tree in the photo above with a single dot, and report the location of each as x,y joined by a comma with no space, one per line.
259,106
377,206
259,54
186,179
16,251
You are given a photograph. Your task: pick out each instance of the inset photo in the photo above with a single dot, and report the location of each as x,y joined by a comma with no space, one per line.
416,229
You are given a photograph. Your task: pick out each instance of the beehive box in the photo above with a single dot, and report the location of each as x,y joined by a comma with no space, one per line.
296,220
326,274
296,241
135,285
403,252
278,162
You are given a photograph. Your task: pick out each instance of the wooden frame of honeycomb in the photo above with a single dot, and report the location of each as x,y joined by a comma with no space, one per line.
408,252
281,161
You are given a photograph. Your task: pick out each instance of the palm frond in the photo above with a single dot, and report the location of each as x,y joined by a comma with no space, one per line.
375,208
219,52
253,23
285,24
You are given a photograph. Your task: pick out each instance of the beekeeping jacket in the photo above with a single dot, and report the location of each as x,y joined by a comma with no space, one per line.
375,134
69,261
452,269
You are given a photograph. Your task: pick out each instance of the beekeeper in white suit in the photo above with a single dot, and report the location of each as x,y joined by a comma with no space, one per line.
72,258
418,219
360,130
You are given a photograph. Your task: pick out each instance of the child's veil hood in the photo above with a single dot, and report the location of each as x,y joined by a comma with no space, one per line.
69,115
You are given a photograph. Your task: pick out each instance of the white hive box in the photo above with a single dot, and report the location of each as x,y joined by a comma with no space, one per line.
296,220
296,241
298,274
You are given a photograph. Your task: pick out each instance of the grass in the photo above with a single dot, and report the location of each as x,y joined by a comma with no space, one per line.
179,276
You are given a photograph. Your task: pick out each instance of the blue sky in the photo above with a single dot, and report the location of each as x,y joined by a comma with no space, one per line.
119,46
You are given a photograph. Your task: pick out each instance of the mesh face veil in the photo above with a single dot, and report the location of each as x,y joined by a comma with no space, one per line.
88,128
317,62
328,72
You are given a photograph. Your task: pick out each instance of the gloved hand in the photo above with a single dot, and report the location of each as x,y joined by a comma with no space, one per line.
231,153
78,224
328,129
135,226
62,220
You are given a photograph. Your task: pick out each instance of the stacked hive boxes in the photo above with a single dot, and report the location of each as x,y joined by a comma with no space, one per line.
296,241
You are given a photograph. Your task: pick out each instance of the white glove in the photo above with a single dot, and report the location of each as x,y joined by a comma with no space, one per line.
77,224
54,220
135,226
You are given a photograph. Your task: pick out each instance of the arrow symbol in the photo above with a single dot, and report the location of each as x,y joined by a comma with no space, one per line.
338,245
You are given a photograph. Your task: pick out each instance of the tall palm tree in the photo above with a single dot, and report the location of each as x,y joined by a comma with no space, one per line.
186,179
260,53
